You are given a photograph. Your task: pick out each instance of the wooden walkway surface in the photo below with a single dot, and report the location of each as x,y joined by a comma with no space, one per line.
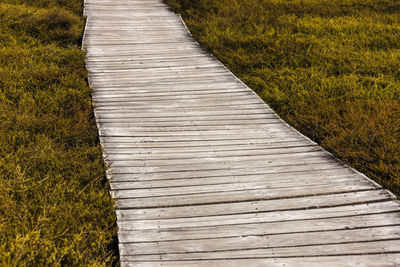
204,173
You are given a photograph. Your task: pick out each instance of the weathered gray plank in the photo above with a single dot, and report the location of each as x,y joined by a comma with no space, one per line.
258,217
132,155
270,246
142,168
249,186
305,177
274,205
234,195
187,148
375,260
272,159
293,171
356,248
273,228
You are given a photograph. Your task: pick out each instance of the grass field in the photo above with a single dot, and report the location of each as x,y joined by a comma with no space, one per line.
329,68
54,203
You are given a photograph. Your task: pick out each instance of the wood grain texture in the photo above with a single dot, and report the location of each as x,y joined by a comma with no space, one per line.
203,172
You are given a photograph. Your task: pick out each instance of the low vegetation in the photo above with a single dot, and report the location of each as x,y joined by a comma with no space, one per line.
54,203
329,68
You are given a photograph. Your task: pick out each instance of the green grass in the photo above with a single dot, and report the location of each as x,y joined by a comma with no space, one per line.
54,203
329,68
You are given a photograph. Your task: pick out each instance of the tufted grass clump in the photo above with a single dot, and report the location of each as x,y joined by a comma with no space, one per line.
329,68
55,208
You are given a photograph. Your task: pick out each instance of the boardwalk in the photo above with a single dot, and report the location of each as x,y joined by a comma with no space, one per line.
204,173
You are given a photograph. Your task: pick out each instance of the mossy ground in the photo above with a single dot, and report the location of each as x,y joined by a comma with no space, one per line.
55,208
329,68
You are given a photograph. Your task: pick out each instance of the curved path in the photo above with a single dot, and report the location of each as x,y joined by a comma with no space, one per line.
204,173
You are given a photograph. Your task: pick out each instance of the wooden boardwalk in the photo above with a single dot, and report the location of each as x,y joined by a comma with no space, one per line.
204,173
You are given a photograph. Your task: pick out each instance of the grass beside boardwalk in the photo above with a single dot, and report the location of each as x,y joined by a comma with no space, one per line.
54,203
329,68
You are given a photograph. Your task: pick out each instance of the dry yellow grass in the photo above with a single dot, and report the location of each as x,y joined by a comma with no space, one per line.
55,208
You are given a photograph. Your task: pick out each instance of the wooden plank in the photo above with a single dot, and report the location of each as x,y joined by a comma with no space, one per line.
128,131
132,94
142,59
216,120
354,248
233,196
182,103
270,187
261,229
122,176
340,242
187,147
305,177
184,113
159,71
173,86
126,92
260,206
260,217
249,137
257,159
373,260
126,142
173,155
171,125
219,77
177,49
142,168
282,180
